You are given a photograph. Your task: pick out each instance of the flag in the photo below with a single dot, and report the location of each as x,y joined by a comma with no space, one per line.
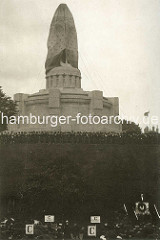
142,208
146,114
142,196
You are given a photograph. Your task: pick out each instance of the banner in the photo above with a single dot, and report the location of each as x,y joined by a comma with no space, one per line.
95,219
49,218
29,229
142,208
92,231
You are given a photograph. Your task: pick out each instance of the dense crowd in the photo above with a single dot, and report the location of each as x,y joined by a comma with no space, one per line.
15,229
79,137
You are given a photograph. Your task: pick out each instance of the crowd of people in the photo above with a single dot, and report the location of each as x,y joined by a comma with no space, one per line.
79,137
15,229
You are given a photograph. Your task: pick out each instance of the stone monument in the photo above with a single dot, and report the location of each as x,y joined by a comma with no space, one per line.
63,95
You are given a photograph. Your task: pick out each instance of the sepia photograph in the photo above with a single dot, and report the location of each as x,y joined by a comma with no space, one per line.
79,119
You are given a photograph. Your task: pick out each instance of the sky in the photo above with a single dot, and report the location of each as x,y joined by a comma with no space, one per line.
118,41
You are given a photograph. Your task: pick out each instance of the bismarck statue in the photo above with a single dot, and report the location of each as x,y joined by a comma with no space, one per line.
63,95
62,40
62,57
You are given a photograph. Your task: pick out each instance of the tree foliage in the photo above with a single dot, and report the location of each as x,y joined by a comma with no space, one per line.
56,183
130,127
76,180
7,107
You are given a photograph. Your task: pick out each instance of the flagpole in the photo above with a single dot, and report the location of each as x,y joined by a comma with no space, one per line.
125,209
135,215
156,211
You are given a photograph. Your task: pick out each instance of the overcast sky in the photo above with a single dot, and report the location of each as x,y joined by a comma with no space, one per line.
119,48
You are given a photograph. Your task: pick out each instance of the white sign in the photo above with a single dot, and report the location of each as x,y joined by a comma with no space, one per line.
49,218
92,231
95,219
29,229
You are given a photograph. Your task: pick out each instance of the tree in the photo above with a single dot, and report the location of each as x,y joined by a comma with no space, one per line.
7,107
130,127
